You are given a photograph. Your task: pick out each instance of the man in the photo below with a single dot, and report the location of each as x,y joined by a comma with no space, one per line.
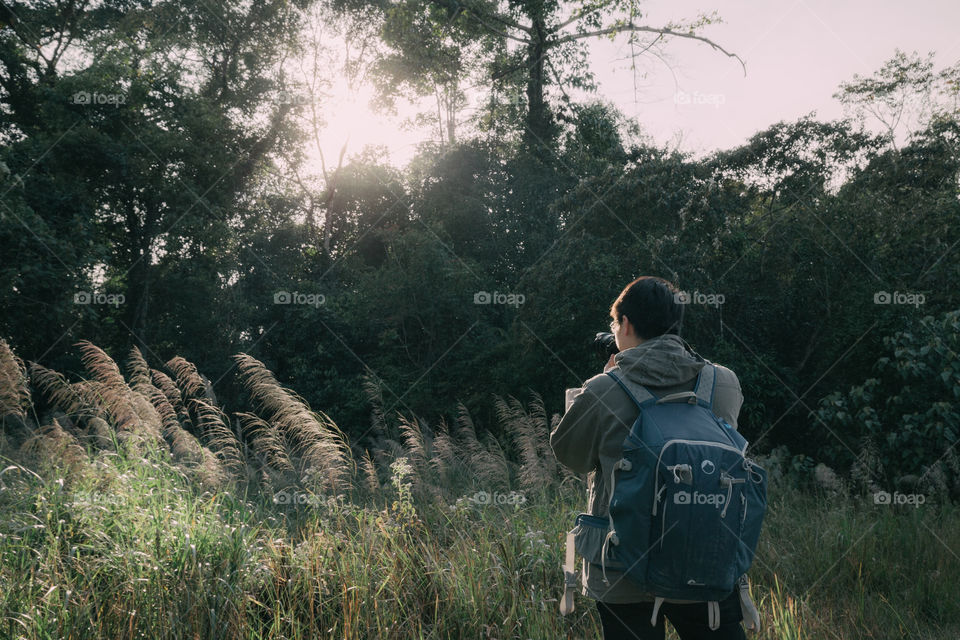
647,317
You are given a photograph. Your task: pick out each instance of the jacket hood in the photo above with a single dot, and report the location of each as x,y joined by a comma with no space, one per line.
662,361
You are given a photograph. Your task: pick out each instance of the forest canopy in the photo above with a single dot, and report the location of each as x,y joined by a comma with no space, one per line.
155,191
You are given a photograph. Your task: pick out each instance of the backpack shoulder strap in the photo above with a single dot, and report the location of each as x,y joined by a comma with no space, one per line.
640,395
706,384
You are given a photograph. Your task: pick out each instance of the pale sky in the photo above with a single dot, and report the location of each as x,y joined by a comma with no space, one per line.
797,52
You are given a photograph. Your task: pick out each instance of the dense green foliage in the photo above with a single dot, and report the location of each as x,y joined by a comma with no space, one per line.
917,394
171,196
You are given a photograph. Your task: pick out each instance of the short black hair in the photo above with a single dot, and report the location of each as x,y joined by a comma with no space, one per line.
653,306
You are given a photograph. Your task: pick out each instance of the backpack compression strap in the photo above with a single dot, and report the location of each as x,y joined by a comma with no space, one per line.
706,384
641,396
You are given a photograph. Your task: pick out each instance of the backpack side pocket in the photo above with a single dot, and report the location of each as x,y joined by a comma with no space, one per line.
588,536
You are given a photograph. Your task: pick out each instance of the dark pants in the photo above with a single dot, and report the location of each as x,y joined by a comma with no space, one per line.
632,621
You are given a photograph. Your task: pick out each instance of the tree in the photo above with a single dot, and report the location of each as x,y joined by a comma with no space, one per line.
528,46
166,110
317,68
907,414
904,93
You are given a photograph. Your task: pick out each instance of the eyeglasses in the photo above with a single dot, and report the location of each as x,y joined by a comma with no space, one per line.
613,326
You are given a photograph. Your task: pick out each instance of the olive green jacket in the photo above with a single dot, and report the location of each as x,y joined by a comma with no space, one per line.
589,436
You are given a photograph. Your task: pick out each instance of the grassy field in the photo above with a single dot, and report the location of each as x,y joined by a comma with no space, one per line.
131,549
133,510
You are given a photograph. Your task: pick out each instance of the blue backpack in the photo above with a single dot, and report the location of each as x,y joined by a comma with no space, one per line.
686,503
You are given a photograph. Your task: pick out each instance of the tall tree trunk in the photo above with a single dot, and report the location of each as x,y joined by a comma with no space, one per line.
138,292
142,221
539,131
451,114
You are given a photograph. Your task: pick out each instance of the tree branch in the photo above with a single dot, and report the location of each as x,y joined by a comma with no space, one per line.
13,21
492,29
505,21
580,15
662,32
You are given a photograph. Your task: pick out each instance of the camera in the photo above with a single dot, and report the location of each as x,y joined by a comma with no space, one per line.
605,344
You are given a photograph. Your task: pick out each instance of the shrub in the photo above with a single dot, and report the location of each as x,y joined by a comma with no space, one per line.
905,421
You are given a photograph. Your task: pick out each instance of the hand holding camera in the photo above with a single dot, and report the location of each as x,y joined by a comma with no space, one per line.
605,344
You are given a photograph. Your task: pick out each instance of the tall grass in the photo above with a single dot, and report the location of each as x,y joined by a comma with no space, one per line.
261,526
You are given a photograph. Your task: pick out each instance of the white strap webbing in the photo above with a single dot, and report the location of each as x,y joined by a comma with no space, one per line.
569,578
713,615
751,617
657,601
